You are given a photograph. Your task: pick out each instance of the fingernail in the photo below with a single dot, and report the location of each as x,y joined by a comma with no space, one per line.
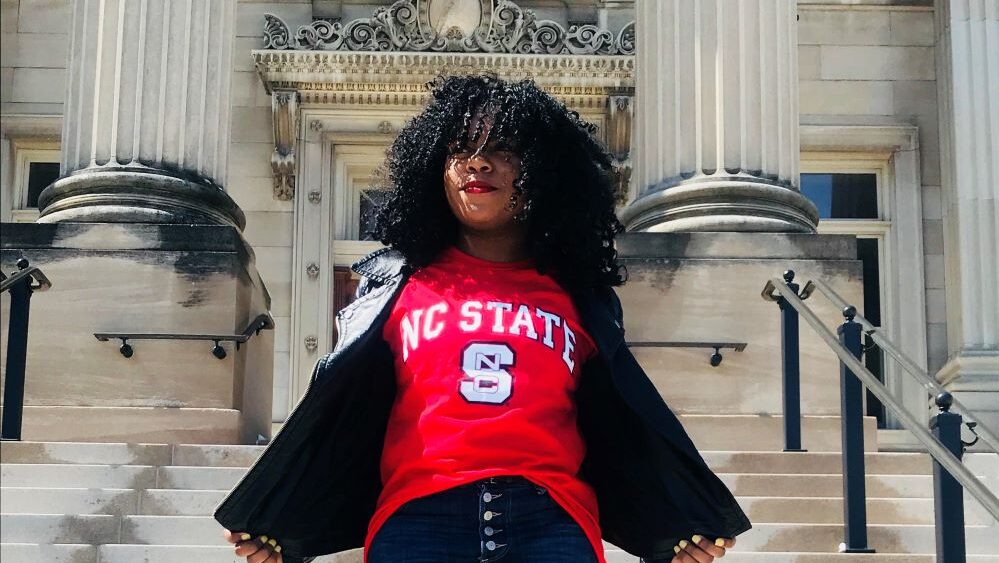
277,549
676,549
273,542
263,539
696,539
683,544
720,542
244,537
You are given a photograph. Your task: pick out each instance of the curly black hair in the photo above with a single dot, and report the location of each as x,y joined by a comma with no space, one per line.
565,178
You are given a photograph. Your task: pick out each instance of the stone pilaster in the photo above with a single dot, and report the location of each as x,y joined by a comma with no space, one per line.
968,82
716,138
146,128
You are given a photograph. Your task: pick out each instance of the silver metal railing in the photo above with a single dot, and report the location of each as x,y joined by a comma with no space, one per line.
962,474
930,384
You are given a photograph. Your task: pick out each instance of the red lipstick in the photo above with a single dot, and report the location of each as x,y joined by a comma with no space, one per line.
478,187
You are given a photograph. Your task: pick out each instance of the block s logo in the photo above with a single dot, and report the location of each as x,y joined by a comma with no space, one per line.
486,379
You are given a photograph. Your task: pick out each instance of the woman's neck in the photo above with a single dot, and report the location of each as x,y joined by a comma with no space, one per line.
495,247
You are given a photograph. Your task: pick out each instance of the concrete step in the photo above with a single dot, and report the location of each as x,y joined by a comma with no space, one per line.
119,476
155,502
48,553
88,476
60,528
129,454
34,500
920,539
805,486
130,553
796,510
616,556
182,502
875,463
224,478
203,530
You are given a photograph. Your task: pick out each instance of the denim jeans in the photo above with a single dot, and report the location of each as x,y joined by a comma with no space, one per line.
503,519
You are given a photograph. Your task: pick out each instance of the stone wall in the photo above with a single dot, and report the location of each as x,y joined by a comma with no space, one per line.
873,65
34,47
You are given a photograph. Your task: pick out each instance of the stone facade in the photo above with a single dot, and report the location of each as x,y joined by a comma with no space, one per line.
869,64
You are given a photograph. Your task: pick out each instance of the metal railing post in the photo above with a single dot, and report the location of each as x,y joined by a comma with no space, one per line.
17,349
852,418
948,496
791,369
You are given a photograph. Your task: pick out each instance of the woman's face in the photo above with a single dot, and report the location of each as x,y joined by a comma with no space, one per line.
478,182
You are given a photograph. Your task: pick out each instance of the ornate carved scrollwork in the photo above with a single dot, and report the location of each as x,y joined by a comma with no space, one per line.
284,108
504,27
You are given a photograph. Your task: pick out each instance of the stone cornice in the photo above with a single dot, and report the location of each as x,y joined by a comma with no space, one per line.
398,78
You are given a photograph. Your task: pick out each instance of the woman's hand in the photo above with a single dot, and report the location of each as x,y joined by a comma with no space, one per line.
259,550
701,550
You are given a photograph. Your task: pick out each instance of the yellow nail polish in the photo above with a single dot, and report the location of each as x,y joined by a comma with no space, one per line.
277,549
697,539
273,542
720,542
683,544
245,537
676,549
263,539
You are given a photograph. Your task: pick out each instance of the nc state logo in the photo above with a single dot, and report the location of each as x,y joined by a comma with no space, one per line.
486,379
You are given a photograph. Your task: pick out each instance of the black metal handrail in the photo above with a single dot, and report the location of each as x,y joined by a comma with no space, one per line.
20,286
716,358
944,444
264,321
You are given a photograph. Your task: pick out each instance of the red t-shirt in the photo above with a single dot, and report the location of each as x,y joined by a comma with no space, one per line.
487,358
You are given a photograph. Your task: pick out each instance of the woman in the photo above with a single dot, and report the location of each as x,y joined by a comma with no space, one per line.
480,404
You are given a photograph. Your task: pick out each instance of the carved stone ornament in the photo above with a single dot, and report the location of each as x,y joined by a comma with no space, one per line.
409,25
385,127
313,270
620,115
316,125
315,196
284,108
311,343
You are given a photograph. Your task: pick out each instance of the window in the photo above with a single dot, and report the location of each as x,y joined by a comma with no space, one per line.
850,201
36,166
369,202
843,195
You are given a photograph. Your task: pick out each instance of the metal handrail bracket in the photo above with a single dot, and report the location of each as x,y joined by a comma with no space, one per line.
775,289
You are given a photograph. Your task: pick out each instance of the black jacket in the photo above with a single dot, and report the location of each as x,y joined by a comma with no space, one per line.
314,488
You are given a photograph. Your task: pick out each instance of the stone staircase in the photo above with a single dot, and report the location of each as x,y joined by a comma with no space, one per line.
131,503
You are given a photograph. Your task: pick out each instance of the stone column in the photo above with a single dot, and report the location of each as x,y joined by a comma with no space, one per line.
968,84
146,127
716,137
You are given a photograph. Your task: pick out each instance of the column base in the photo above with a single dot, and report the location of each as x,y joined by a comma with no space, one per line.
731,203
973,377
137,194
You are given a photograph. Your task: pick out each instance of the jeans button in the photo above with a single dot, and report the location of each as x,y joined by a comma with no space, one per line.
490,545
487,516
489,530
487,497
